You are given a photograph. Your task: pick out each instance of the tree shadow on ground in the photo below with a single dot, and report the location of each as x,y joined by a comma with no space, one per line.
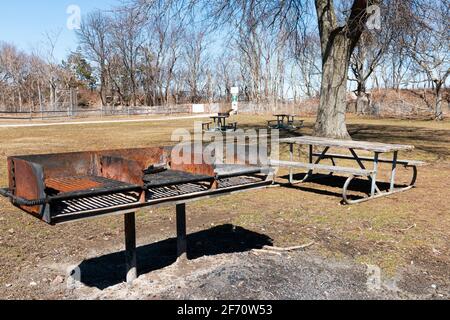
432,141
109,270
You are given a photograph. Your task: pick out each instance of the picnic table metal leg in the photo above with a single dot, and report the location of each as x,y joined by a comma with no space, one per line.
130,247
374,177
311,161
394,171
181,232
310,156
362,166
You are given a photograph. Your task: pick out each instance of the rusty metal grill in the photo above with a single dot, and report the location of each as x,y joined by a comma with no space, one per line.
62,188
59,188
82,183
96,203
238,181
173,177
71,184
176,190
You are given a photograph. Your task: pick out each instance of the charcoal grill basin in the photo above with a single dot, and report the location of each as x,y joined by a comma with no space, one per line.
63,188
174,177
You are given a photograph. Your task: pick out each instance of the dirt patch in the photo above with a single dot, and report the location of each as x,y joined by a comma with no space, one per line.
236,276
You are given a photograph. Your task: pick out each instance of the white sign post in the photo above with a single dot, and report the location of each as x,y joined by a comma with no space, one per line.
235,99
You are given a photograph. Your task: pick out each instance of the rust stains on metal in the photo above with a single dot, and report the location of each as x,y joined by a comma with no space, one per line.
79,185
120,169
71,184
27,180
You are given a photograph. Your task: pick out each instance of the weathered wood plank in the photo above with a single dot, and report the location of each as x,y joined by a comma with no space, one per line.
348,144
319,167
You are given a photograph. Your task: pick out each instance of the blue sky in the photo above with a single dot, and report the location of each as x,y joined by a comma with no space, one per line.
24,22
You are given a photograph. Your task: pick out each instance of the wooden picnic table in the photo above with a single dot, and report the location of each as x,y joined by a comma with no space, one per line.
374,148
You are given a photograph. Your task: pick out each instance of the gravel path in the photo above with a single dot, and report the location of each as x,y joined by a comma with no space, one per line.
26,125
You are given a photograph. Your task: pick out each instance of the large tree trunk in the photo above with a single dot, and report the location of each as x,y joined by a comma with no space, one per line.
41,109
438,114
333,94
52,97
362,103
337,43
362,98
103,85
20,100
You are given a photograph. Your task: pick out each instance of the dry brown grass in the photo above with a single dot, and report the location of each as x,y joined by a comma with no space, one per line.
393,232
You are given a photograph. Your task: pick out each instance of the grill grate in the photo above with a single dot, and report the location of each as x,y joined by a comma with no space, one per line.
238,181
176,190
74,184
96,203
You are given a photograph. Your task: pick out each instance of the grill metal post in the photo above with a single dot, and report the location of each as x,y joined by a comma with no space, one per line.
130,247
181,232
291,158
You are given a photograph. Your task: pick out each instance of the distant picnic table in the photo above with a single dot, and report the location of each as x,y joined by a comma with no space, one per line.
219,123
284,122
374,148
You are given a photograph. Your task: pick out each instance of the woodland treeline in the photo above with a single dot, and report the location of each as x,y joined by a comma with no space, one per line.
190,51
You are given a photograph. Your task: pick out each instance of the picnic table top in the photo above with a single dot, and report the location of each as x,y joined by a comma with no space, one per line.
220,117
284,115
349,144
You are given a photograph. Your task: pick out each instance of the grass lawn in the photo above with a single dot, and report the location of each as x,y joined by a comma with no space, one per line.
404,231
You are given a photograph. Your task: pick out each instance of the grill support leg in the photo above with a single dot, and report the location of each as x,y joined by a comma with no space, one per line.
291,158
130,247
181,232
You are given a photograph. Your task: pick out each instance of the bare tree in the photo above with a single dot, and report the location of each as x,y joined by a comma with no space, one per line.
429,45
195,62
307,58
338,41
50,43
159,56
339,31
94,38
128,39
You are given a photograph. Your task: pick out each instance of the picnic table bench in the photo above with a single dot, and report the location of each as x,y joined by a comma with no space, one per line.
285,122
352,172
